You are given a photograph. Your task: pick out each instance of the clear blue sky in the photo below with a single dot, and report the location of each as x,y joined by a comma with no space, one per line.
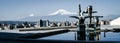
16,9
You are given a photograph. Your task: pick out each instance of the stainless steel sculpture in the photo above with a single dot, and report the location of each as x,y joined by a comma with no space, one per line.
81,18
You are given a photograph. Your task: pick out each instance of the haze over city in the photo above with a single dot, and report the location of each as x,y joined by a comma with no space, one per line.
18,9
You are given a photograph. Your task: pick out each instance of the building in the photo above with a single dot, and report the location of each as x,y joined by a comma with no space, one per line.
73,23
58,24
67,23
104,22
45,23
53,24
115,21
42,23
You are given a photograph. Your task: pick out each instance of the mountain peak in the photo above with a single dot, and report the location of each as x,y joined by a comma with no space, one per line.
62,12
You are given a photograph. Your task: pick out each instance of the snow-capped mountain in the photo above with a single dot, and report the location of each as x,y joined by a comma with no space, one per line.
62,12
62,15
59,15
62,18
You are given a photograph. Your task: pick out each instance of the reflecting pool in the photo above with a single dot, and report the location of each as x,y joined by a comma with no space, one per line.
100,36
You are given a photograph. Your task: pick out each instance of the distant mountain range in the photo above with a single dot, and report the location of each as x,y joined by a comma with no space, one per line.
63,15
110,17
51,18
59,15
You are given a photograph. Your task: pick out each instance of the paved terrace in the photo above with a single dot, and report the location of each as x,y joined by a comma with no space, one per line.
28,35
46,28
17,33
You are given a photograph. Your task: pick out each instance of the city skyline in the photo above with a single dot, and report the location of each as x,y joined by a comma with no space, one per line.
17,9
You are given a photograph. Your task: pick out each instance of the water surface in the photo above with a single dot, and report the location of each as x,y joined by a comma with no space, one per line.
102,36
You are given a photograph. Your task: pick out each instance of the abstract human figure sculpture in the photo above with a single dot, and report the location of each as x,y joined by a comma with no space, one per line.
81,20
81,32
90,11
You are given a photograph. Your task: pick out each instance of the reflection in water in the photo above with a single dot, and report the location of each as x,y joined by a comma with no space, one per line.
81,36
104,34
81,33
97,36
91,36
75,36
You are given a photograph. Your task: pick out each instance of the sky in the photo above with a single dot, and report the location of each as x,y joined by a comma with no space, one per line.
17,9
